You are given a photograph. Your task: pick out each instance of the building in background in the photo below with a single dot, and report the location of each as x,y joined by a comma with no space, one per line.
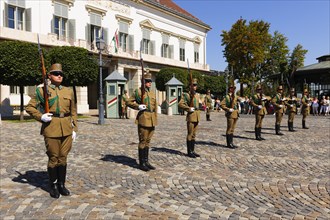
167,35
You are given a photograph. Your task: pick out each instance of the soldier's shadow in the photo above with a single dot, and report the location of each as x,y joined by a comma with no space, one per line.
210,143
240,137
128,161
261,132
167,150
34,178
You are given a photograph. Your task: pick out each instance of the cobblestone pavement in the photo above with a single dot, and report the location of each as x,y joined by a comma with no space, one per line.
283,177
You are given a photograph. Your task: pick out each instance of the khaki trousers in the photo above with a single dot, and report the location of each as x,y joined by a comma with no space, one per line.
192,128
279,117
231,125
58,149
259,119
145,135
291,116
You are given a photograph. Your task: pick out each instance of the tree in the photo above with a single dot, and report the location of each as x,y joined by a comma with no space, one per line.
19,66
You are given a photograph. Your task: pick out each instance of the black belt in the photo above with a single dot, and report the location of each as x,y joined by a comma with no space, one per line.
61,115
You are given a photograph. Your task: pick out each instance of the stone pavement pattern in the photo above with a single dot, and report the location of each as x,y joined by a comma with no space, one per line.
283,177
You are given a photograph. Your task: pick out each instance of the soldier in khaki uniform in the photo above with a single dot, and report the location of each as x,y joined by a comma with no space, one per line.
292,109
193,118
305,104
146,120
278,102
59,127
123,105
258,102
208,105
229,105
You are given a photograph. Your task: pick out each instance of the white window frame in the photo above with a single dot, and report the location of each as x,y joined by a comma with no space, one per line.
18,24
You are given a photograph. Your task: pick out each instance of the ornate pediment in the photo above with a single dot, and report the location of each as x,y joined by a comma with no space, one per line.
197,40
147,24
123,18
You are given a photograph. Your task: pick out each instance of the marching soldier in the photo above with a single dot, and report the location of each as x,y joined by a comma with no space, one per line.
193,118
123,105
278,102
146,120
208,105
305,102
258,102
229,105
292,109
59,127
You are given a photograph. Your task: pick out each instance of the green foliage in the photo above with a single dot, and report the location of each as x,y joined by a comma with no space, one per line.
166,74
19,64
78,67
216,84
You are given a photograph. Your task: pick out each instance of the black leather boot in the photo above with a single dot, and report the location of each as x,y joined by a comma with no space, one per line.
146,149
304,125
256,131
52,173
228,140
142,162
208,118
259,131
189,150
291,127
193,149
231,141
61,181
277,129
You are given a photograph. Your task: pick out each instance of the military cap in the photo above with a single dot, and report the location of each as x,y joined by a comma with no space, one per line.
231,85
208,91
125,91
258,87
279,88
292,90
56,67
306,90
147,76
194,81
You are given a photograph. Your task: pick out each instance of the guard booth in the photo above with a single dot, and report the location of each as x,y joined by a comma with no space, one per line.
173,94
115,85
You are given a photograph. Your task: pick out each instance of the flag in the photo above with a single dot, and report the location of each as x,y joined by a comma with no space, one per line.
115,41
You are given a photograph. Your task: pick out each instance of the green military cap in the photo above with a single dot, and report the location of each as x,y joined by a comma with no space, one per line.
56,67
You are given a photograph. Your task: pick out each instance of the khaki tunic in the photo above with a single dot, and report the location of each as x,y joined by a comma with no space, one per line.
277,101
304,107
147,119
57,133
260,113
208,104
227,103
192,118
292,100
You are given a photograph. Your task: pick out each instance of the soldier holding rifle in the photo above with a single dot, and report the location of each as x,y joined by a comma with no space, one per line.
278,102
59,125
306,103
292,109
208,105
258,102
229,105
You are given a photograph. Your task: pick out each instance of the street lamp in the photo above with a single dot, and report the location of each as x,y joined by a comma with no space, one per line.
100,45
227,73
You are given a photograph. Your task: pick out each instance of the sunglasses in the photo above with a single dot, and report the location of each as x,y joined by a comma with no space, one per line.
148,81
57,74
194,84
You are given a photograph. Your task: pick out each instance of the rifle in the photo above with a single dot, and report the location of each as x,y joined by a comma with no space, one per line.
191,91
142,78
44,78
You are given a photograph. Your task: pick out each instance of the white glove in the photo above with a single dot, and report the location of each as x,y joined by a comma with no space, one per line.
264,99
293,99
231,110
191,109
259,106
74,135
291,106
281,106
309,104
47,117
142,107
283,99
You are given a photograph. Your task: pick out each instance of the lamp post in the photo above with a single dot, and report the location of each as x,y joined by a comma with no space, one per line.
100,45
227,73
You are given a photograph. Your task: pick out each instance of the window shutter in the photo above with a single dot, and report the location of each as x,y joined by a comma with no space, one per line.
61,10
52,25
131,42
165,39
18,3
28,13
105,35
95,19
152,47
196,48
146,34
88,33
5,20
123,27
182,44
171,51
72,29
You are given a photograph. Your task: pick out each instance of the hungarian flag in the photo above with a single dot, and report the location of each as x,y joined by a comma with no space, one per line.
116,41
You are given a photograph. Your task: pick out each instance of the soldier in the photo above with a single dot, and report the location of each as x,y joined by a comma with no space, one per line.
123,105
146,120
229,105
278,102
305,102
193,118
59,127
258,102
292,109
208,105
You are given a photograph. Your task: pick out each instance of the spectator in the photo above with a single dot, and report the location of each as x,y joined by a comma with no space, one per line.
315,106
323,103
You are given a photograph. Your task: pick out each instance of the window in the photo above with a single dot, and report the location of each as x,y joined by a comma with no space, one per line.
60,20
147,46
15,17
95,32
165,50
14,89
112,90
123,41
196,53
182,51
60,25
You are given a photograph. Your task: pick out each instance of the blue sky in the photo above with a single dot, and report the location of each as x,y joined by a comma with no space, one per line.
304,22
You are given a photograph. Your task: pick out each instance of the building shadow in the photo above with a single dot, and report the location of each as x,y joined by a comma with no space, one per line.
167,150
38,179
121,159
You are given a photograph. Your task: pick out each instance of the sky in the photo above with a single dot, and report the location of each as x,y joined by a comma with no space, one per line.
304,22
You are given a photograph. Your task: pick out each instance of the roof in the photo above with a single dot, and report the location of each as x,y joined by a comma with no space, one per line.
317,66
115,76
174,82
170,6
